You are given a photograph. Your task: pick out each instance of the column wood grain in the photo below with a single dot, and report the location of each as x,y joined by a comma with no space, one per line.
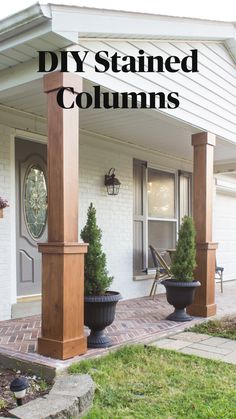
203,149
62,257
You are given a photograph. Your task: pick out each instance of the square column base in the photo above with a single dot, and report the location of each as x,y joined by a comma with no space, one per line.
204,301
198,310
62,334
62,350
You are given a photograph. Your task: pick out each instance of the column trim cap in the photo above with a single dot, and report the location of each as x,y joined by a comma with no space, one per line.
63,248
56,80
202,310
203,138
207,246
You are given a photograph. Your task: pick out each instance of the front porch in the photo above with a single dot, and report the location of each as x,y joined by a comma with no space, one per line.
99,151
91,143
140,320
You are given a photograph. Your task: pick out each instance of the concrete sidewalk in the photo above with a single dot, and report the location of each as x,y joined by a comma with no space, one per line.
201,345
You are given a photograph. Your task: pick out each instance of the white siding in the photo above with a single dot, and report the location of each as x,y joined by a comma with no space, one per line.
207,98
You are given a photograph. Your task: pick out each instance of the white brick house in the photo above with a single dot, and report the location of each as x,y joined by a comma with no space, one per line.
158,141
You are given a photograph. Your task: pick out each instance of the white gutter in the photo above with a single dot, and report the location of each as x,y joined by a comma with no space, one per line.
25,19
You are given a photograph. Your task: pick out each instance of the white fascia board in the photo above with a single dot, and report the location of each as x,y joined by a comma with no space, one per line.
231,44
88,22
73,22
98,23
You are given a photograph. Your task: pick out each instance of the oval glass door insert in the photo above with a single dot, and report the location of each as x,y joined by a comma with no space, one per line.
35,201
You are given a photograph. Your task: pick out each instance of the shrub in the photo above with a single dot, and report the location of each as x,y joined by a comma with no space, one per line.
184,261
96,278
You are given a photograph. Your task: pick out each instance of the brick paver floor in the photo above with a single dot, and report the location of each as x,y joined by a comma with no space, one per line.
137,320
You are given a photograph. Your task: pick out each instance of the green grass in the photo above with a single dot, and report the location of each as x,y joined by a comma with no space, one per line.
146,382
3,404
224,328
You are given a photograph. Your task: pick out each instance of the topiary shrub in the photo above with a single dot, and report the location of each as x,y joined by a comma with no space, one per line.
96,278
184,261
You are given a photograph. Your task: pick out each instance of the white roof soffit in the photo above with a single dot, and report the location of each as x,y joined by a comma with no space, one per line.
73,22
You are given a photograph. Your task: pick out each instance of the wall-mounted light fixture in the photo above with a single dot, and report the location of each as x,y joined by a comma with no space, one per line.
112,183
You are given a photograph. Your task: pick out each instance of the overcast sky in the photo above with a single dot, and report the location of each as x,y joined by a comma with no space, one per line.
206,9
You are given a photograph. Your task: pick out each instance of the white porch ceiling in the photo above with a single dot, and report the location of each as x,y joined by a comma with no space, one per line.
145,128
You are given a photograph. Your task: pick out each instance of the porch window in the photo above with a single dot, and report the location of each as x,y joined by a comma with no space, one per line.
185,194
160,199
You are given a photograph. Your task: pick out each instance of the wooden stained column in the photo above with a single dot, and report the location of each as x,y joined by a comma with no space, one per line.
62,257
203,145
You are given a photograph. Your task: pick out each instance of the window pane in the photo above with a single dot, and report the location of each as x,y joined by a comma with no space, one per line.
184,196
161,235
35,201
161,194
139,218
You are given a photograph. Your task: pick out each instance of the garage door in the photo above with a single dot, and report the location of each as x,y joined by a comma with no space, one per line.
224,232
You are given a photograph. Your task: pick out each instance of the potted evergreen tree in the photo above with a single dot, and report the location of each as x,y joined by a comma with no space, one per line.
99,302
180,289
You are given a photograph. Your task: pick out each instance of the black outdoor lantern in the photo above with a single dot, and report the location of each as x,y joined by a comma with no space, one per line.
112,183
18,386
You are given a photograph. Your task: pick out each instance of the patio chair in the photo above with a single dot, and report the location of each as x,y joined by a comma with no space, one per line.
162,269
219,275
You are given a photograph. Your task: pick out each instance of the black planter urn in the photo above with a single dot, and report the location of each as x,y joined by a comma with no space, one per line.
180,295
99,312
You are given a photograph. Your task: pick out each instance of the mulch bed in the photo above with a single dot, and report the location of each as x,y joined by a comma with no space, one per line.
37,387
224,327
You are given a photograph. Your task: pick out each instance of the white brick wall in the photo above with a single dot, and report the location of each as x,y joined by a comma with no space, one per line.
6,262
115,213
